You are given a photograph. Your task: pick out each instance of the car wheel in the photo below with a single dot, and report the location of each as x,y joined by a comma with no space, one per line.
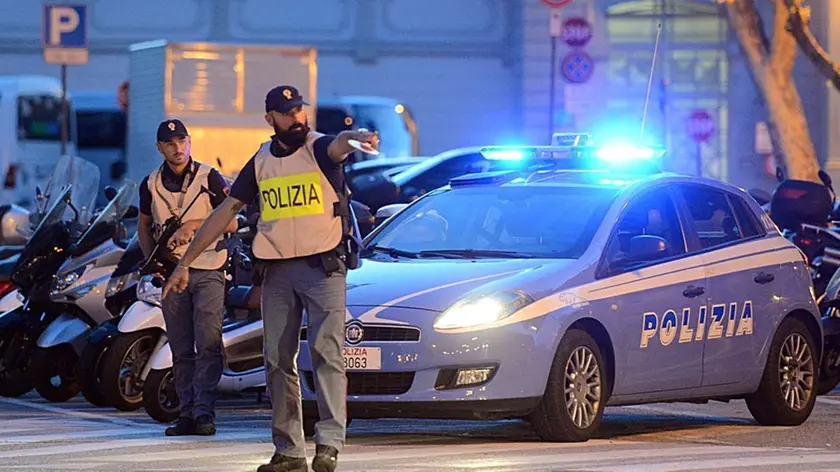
787,391
573,404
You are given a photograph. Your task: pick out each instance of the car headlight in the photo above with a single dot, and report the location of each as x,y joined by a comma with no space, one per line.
481,310
149,290
62,281
118,284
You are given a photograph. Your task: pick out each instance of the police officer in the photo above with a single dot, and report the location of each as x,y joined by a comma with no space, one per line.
194,318
306,244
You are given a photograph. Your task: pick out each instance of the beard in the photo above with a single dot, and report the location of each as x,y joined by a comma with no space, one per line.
294,137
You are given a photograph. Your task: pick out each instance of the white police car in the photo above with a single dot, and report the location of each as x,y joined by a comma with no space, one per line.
552,290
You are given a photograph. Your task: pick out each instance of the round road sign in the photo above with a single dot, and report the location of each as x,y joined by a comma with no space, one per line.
577,67
701,125
576,32
557,3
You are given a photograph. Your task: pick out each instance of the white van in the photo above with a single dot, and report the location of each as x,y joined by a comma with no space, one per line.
30,135
101,134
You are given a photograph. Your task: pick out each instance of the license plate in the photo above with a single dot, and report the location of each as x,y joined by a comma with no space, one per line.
362,358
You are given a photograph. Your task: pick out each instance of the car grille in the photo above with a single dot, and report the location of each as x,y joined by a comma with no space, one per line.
384,333
371,383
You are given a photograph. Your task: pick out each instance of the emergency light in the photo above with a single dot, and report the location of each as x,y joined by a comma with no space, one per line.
636,159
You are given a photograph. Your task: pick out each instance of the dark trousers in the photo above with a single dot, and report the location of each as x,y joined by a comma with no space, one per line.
194,328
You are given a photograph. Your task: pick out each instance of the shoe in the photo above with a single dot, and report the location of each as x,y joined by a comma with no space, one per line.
326,459
183,427
205,425
281,463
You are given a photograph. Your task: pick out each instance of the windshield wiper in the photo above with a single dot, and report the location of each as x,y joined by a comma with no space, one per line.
393,252
474,253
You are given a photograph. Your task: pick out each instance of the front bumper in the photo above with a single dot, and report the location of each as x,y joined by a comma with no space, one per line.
417,377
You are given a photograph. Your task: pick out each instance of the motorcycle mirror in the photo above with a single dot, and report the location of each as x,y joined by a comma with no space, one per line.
38,190
132,212
110,193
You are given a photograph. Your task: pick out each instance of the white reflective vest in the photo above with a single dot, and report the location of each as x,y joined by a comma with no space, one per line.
297,205
166,204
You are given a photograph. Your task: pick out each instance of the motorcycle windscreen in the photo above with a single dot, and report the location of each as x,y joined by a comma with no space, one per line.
79,173
103,226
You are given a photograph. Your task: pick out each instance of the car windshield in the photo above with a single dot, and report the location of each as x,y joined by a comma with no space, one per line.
515,222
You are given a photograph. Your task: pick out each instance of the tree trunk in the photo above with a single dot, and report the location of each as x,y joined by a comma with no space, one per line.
772,73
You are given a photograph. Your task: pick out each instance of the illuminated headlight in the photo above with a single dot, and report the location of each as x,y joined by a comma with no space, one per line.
118,284
61,282
482,310
148,291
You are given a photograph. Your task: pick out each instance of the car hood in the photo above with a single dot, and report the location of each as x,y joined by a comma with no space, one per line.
435,285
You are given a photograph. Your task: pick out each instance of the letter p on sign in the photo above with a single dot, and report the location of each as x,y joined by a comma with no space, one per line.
62,20
64,37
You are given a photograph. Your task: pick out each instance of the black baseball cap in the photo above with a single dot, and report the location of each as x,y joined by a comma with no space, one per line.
283,99
170,129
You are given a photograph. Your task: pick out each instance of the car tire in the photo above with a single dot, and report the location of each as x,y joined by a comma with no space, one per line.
578,361
771,405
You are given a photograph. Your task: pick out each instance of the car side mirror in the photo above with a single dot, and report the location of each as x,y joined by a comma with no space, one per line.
642,248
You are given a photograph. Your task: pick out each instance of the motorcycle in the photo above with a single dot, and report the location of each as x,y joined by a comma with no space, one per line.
120,295
242,345
78,289
60,218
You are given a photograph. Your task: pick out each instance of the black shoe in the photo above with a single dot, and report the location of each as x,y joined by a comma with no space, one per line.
183,427
326,459
281,463
205,425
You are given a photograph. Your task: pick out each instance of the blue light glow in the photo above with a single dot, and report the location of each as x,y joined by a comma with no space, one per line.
626,153
501,154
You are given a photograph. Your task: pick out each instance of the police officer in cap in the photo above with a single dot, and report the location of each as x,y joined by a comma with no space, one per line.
306,240
193,318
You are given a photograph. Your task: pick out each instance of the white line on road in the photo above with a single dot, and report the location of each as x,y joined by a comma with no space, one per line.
77,414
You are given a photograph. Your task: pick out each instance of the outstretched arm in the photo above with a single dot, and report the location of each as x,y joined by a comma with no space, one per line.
217,223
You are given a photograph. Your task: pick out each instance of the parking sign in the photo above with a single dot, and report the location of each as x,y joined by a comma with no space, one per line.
64,29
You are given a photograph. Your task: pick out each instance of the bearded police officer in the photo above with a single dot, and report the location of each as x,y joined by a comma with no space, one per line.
194,318
307,242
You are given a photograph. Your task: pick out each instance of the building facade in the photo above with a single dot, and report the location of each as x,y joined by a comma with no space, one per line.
477,72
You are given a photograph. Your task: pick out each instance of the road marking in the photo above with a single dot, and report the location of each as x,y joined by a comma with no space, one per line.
67,412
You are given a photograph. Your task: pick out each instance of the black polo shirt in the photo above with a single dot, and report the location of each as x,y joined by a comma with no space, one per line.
173,183
246,188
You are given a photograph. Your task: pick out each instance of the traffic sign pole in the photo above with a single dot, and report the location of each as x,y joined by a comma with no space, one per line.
65,42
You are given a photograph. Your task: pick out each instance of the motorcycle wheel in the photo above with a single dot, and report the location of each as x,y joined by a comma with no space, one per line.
15,360
159,397
829,376
54,373
122,366
90,371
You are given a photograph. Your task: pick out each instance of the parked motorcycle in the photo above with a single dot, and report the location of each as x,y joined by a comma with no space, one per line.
79,290
61,216
120,295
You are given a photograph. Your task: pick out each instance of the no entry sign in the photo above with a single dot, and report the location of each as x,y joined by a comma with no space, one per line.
577,67
701,125
576,32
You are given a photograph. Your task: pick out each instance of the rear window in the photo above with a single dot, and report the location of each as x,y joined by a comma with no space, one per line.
39,118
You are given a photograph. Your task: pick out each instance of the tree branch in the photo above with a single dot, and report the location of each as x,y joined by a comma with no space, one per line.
799,26
783,54
752,40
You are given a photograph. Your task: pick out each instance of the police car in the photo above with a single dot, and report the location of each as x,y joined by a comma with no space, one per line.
571,282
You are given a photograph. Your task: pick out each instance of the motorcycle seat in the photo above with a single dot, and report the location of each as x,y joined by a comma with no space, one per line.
244,297
7,266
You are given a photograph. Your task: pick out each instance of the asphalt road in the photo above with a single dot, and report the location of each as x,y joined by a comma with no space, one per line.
39,436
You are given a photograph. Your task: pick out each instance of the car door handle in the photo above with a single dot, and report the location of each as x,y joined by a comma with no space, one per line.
764,278
693,291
